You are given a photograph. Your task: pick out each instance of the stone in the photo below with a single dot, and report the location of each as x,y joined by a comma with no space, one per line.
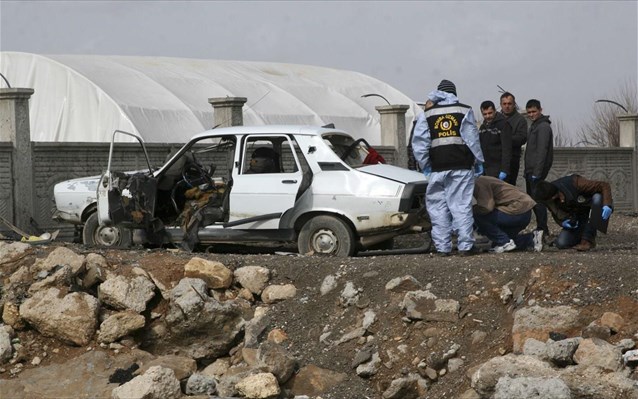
410,387
119,325
182,366
526,387
59,257
122,293
259,386
11,315
486,377
368,369
254,278
276,360
537,322
156,383
6,350
277,335
215,274
599,353
613,321
278,293
96,267
62,276
313,381
534,347
349,295
199,384
403,284
217,368
561,352
328,284
71,318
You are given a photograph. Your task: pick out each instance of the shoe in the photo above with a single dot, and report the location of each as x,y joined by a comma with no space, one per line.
469,252
508,246
585,245
442,254
538,240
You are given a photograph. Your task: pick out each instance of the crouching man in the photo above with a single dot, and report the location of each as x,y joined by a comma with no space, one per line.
570,199
501,212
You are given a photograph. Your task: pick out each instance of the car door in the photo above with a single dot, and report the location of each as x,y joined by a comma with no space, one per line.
126,198
263,188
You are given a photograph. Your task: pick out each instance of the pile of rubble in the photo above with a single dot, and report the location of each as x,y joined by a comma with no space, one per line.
210,334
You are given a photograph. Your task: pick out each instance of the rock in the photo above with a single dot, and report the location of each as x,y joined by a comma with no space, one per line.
590,382
13,250
122,293
215,274
613,321
526,387
328,284
276,360
259,386
6,350
192,317
156,383
96,267
277,336
11,315
362,356
119,325
217,368
537,322
254,330
62,276
199,384
277,293
349,295
370,368
454,364
61,256
410,387
254,278
369,317
561,352
534,347
72,318
86,375
486,377
595,330
599,353
403,284
313,381
478,337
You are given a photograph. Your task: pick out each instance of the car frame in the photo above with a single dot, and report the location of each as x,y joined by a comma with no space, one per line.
323,195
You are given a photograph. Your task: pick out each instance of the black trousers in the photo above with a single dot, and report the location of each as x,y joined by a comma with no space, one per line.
540,210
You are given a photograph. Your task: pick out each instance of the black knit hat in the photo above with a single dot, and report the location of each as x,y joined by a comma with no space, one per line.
447,86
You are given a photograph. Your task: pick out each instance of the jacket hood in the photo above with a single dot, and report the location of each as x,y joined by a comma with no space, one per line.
543,118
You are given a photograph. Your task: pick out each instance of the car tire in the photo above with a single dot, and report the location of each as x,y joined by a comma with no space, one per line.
327,236
96,235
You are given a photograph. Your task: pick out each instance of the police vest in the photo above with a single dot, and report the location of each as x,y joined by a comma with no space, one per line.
448,150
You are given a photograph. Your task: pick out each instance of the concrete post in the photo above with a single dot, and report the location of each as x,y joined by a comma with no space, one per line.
228,110
14,127
629,138
393,130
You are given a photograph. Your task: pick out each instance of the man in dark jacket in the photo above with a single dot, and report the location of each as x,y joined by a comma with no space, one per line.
570,199
496,142
518,125
539,156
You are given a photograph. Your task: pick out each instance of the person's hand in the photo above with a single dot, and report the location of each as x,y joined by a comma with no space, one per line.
502,175
427,171
478,169
607,212
569,224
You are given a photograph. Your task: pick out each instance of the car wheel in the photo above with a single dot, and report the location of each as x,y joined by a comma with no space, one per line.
96,235
326,235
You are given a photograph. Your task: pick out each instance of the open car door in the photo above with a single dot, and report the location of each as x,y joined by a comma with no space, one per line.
126,199
267,178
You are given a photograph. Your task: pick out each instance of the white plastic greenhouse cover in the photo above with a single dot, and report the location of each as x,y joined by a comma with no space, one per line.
84,98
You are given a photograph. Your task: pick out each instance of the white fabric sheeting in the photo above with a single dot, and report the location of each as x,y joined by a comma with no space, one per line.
81,98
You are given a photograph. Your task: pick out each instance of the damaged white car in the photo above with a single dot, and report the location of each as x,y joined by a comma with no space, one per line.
315,186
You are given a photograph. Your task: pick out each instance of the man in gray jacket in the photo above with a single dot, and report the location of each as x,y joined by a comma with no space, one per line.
539,156
518,126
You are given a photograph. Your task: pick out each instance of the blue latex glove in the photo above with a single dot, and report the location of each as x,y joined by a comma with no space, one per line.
569,224
535,179
606,212
427,171
478,169
502,175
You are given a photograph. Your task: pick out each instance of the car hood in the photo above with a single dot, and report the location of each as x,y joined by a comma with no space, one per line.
82,184
394,173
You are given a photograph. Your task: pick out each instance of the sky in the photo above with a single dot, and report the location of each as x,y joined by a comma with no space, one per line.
567,54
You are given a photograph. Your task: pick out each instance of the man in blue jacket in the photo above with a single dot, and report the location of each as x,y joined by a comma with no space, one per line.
446,145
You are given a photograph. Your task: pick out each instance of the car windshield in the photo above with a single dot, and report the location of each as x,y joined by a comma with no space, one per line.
353,152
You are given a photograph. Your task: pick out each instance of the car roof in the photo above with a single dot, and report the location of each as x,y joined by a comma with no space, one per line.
269,129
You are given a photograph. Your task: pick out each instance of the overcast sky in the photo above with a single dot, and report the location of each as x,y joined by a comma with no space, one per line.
566,54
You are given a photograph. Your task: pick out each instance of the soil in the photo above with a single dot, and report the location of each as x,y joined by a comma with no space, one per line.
602,280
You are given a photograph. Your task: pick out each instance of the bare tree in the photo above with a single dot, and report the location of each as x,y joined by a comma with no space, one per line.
561,138
603,130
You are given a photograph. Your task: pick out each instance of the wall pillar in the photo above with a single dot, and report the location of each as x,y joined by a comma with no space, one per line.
228,111
629,138
14,127
393,130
